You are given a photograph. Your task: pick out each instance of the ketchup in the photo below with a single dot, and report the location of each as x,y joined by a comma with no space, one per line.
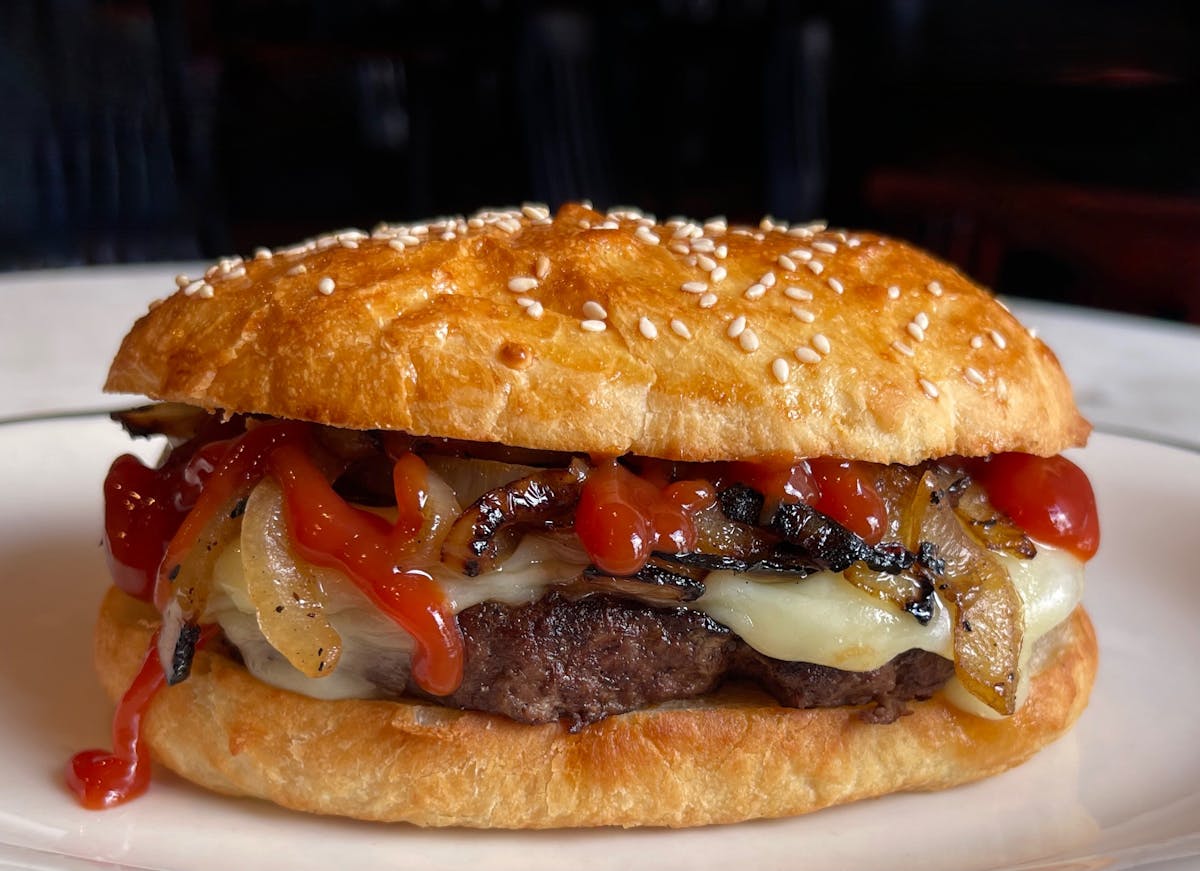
1049,497
144,507
103,779
848,495
327,531
621,518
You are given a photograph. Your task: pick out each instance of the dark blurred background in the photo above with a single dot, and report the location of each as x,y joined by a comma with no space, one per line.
1052,149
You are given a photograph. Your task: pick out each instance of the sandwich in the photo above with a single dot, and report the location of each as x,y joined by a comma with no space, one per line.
530,520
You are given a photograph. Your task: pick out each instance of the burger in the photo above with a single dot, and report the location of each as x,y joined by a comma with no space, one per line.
534,520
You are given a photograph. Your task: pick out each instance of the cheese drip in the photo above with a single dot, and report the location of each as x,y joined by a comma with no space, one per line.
821,619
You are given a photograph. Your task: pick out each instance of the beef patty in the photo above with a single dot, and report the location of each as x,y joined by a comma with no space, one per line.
581,660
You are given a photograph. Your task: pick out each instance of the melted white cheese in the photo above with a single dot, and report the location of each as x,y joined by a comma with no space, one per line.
821,619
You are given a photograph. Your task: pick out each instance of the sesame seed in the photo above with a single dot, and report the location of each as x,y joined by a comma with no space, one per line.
182,281
807,355
755,291
348,243
690,260
768,279
325,286
1032,331
914,330
703,244
853,242
535,310
722,251
930,388
646,235
680,248
718,274
736,327
825,247
821,343
524,301
922,320
522,283
396,245
749,341
263,254
780,369
801,254
705,262
836,285
973,375
998,340
205,291
977,342
679,328
475,223
535,211
893,292
816,267
298,269
542,269
193,286
903,348
594,311
409,239
1001,388
693,287
792,292
511,225
593,326
708,300
786,262
934,287
585,223
646,328
445,237
803,314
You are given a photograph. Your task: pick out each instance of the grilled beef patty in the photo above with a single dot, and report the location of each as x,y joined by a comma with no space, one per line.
581,660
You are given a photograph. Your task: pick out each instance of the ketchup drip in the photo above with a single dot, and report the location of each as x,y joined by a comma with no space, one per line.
848,495
622,518
327,531
103,779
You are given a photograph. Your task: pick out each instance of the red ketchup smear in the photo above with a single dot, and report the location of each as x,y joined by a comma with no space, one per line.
327,531
621,518
1049,497
848,495
144,507
102,779
793,483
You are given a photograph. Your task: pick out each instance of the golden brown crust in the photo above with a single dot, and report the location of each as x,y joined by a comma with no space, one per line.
429,338
730,758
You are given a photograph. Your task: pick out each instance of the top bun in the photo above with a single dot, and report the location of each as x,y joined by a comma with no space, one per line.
609,334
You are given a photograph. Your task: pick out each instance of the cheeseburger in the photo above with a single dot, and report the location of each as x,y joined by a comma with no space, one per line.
532,520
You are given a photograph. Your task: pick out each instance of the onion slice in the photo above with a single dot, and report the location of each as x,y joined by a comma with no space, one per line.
988,613
488,530
287,596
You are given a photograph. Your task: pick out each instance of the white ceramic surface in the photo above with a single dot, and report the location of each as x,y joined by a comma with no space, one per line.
1121,790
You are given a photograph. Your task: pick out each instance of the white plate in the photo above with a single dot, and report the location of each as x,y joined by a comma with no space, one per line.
1122,789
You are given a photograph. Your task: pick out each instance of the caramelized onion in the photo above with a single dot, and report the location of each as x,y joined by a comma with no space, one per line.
470,478
988,614
488,529
990,527
175,420
656,582
834,547
287,597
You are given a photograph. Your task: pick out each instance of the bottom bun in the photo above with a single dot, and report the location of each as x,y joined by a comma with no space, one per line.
732,756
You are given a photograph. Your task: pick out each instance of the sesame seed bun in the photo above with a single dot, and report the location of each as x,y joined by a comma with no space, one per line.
733,756
611,334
